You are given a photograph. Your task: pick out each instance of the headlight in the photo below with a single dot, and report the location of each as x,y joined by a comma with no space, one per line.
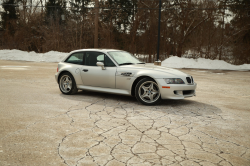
174,81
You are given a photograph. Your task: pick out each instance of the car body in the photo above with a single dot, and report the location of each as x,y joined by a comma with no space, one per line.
104,70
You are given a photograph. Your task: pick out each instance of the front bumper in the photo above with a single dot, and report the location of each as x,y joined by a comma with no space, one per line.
176,91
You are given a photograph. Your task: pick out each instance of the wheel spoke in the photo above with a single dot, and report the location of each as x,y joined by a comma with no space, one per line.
154,92
144,88
145,94
151,87
151,97
67,79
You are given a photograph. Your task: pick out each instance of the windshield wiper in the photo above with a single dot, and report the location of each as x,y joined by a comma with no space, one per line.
141,63
125,64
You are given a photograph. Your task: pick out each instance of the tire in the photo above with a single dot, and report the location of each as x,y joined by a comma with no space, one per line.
67,84
147,92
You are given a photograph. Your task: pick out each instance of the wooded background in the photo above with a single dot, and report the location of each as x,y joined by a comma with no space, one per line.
213,29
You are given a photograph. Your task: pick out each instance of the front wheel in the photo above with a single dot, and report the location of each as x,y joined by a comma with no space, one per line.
67,84
147,92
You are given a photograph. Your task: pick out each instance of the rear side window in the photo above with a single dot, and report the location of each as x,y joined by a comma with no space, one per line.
76,58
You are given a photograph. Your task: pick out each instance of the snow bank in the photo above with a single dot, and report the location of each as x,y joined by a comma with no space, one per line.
52,56
172,62
201,63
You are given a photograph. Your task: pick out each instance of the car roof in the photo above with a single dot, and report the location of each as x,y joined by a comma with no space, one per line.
96,49
90,49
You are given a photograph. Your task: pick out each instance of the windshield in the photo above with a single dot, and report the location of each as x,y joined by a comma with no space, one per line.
124,58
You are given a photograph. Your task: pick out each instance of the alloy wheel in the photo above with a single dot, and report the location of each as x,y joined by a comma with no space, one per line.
65,83
149,92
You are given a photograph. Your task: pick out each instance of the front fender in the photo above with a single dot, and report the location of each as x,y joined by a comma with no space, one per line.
153,74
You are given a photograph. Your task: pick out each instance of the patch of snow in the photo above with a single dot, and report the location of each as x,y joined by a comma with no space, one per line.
172,62
52,56
201,63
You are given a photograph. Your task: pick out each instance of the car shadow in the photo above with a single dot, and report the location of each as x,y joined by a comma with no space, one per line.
183,107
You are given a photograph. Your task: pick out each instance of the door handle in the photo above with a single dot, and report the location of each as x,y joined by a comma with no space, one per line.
85,70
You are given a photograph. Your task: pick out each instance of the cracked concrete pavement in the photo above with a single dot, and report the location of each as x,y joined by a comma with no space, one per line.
40,126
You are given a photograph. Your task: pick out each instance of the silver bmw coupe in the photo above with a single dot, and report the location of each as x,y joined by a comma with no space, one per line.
119,72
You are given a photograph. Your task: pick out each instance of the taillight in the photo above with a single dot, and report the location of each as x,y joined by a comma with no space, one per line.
57,69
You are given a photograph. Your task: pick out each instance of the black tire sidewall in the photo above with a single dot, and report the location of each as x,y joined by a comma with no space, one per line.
137,89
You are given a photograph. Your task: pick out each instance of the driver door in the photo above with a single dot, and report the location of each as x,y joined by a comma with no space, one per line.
93,75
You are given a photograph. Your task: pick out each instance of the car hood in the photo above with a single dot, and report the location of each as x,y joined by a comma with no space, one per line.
156,68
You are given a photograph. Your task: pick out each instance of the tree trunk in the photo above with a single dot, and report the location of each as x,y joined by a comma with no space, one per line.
179,50
96,22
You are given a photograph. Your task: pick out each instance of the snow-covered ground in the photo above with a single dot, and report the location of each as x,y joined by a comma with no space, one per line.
202,63
172,62
52,56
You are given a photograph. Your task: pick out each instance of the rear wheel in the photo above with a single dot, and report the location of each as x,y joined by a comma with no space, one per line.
67,84
147,92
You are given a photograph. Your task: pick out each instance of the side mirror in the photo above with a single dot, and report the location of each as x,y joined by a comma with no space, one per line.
100,64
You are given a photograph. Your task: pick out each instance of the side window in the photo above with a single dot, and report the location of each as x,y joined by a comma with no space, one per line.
108,62
91,58
100,58
76,58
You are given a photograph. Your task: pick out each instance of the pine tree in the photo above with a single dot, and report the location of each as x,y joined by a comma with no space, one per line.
121,14
54,10
241,25
79,6
9,16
